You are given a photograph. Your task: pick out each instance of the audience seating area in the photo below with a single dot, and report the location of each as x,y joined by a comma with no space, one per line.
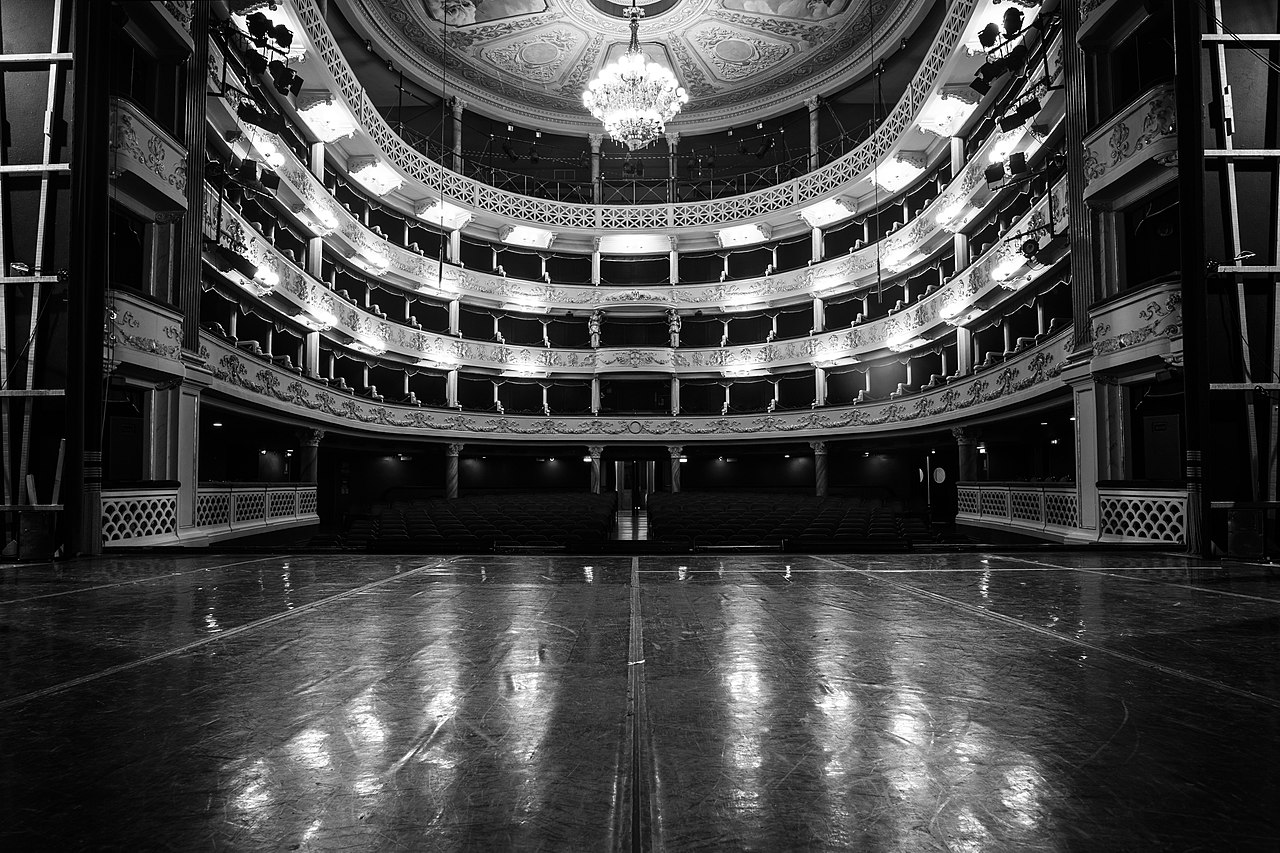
714,519
542,519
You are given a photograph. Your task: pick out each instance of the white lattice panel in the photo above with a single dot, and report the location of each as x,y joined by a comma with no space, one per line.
995,503
967,501
1025,505
213,508
250,506
1153,518
280,504
1061,508
136,516
307,502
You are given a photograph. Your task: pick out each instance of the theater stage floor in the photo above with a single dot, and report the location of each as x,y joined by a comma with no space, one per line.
993,702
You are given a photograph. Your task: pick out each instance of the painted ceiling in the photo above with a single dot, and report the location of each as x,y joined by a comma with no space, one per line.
529,60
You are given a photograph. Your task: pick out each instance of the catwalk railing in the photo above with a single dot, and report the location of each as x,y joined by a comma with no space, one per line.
150,516
1131,514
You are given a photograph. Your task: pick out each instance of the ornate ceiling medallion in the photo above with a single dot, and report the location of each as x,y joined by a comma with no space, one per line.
634,97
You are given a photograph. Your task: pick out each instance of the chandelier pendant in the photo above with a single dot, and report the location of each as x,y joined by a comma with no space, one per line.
633,97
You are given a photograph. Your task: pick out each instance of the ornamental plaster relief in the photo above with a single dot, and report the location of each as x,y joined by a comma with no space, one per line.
1029,375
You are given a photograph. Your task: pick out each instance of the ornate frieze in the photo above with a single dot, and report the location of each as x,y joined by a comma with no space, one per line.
142,332
1028,375
509,207
146,162
1144,326
1144,133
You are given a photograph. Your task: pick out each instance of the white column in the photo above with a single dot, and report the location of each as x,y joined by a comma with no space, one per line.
819,315
457,105
595,395
596,193
455,317
815,244
675,395
812,103
820,386
451,388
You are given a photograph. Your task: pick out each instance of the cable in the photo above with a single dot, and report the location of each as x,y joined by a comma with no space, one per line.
1236,36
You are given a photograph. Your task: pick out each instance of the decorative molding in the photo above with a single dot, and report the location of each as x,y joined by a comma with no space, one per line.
1146,131
1029,375
545,213
147,163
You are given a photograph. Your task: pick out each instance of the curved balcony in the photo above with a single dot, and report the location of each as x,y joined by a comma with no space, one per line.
1024,378
146,162
1133,150
919,239
265,273
1139,331
509,207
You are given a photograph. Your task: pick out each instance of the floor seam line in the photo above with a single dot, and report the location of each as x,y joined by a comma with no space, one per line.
1009,620
264,622
147,579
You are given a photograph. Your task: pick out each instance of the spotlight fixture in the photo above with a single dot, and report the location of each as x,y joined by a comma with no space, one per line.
1012,22
1025,110
987,38
255,62
1017,163
267,121
991,69
1017,57
533,154
980,86
509,151
284,78
1030,248
765,147
282,36
259,28
994,173
270,180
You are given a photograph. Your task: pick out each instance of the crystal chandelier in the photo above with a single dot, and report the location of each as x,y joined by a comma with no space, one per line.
632,96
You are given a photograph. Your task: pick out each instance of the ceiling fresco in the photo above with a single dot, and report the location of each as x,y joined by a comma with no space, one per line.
530,59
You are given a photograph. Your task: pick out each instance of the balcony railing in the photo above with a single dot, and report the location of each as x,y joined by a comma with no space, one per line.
1127,149
150,515
146,162
1132,514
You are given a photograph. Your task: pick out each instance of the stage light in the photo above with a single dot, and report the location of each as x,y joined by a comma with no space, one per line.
267,121
987,38
1017,163
1030,248
509,151
1012,22
270,181
994,173
259,28
980,86
1017,57
255,62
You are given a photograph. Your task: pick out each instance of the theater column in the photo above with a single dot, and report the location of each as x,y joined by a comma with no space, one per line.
967,457
819,468
309,450
451,452
812,103
596,190
675,451
457,105
596,450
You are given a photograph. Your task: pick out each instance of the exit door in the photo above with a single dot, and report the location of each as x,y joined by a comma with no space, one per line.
634,480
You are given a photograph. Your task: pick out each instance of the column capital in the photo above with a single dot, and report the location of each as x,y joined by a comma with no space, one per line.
964,435
595,139
673,139
819,448
310,437
596,451
675,451
453,449
457,105
812,103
